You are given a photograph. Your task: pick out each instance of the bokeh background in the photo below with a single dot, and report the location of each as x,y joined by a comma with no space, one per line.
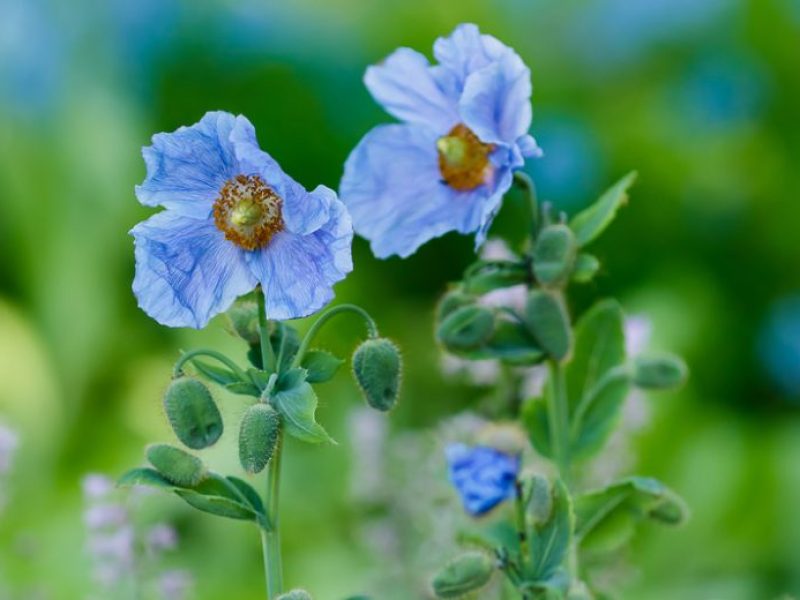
702,97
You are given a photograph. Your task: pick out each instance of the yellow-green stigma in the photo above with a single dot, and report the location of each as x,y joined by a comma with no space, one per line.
248,212
463,158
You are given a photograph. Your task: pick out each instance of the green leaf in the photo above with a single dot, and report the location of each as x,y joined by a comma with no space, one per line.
296,401
250,494
244,388
592,221
534,418
605,518
218,496
496,275
291,343
548,320
550,538
321,365
144,476
554,254
215,373
513,344
594,396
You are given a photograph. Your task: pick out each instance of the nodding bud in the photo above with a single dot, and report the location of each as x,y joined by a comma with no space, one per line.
176,465
295,595
463,574
377,366
554,254
466,328
661,372
258,436
451,301
548,320
192,412
243,319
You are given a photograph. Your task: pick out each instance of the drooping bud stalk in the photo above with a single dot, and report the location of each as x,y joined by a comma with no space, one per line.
192,412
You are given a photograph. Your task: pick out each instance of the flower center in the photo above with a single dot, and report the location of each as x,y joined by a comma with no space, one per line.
463,158
248,212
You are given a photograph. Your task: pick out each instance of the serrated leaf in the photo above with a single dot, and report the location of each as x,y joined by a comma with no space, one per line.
321,365
593,220
215,373
605,518
550,539
296,401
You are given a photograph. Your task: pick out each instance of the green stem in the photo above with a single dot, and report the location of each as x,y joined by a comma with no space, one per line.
324,318
270,538
522,527
558,414
187,356
526,183
267,354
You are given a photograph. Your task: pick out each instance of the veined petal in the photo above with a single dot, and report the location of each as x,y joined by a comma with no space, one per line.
303,212
404,85
187,168
466,50
186,271
394,191
496,102
297,272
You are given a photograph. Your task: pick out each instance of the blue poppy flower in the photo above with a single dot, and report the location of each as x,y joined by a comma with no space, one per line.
483,476
233,220
447,166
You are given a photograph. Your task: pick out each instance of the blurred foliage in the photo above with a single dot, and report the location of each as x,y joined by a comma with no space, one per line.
700,97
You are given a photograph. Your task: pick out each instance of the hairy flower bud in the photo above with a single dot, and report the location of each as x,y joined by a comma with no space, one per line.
377,366
661,372
258,436
554,254
176,465
548,321
192,412
463,574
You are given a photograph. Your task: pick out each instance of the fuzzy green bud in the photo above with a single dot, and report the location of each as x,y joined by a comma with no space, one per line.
661,372
258,436
192,412
463,574
554,254
176,465
547,319
586,267
466,328
377,368
295,595
452,300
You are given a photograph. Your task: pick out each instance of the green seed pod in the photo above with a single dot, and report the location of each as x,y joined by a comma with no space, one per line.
463,574
295,595
176,465
466,328
586,267
661,372
243,320
258,436
451,301
377,367
554,254
191,411
548,321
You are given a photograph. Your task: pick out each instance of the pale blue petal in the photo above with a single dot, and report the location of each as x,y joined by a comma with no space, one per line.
528,147
303,213
187,168
186,271
496,102
297,272
405,86
466,50
393,189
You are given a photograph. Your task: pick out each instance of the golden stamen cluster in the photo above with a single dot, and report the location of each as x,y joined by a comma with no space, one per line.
248,212
463,158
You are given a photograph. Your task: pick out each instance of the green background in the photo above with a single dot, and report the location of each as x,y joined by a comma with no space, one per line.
700,97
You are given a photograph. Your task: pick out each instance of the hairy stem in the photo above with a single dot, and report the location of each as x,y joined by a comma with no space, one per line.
177,370
324,318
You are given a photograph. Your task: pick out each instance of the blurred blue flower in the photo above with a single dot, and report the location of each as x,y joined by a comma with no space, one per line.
483,476
447,166
779,345
234,219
